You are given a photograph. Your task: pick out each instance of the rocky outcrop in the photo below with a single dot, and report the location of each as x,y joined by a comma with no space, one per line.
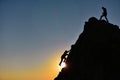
95,55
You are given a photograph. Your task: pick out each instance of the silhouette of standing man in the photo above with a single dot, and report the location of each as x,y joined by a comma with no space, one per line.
63,57
104,14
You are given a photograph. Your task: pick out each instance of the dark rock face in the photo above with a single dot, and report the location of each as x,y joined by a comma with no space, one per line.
95,55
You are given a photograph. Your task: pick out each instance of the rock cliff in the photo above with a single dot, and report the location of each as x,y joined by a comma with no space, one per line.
95,55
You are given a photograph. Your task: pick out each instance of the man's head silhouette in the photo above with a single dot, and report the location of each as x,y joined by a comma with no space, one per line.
103,8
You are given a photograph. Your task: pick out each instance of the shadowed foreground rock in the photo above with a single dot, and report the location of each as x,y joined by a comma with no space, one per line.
95,55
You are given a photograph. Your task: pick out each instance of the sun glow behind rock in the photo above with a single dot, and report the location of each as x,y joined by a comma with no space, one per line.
63,65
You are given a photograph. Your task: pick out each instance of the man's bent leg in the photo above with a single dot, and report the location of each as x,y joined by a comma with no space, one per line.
101,17
60,62
106,19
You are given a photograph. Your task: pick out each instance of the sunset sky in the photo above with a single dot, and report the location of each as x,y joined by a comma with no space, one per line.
35,33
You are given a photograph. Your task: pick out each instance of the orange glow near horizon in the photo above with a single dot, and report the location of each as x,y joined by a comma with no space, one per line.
47,71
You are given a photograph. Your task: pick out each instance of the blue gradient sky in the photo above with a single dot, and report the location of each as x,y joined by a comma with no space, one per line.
33,31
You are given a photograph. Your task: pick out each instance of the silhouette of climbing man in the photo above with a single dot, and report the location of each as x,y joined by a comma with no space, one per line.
63,57
104,14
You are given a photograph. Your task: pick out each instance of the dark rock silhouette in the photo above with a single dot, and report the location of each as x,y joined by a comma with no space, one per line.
95,55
